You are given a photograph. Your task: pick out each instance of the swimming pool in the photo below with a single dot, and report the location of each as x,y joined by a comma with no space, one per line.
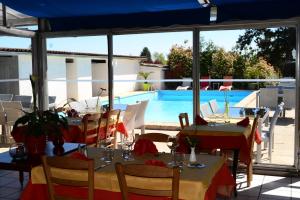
165,105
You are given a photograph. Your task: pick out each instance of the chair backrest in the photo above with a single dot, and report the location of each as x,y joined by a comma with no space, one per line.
91,125
183,120
25,100
227,83
213,106
268,97
130,116
205,84
252,134
274,119
147,171
6,97
154,137
12,105
52,99
140,115
205,110
78,106
289,98
12,115
110,123
71,164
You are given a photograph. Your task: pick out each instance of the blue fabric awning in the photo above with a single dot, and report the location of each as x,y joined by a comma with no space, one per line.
105,14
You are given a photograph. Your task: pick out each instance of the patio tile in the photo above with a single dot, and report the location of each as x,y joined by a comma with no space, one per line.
6,191
277,193
279,179
5,181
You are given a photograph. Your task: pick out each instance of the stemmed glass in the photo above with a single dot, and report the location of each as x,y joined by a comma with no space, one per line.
105,144
127,147
172,143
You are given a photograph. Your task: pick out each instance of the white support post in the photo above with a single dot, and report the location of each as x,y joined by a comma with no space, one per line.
196,72
110,71
297,106
39,65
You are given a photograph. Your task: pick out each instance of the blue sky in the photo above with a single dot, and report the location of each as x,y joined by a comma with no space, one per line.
128,44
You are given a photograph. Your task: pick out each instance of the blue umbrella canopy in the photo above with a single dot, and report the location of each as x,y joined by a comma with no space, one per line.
102,14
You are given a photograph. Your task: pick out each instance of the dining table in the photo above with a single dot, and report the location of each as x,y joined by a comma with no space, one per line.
224,136
203,183
238,113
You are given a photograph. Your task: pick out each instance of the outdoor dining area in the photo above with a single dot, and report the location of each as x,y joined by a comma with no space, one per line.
107,152
102,153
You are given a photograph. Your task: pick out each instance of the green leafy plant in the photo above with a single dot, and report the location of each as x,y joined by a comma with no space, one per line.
41,122
191,141
145,75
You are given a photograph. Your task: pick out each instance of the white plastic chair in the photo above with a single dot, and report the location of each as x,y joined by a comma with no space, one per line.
24,99
11,105
6,97
140,116
205,110
213,106
129,116
268,97
268,136
78,106
289,99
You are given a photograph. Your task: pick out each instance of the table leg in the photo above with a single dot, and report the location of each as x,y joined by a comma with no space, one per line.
21,178
235,166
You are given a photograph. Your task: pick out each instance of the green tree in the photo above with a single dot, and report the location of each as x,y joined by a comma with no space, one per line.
275,45
180,60
207,51
146,52
222,63
159,58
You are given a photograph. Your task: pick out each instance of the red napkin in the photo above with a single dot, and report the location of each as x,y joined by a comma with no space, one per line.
200,120
79,155
155,163
143,146
257,137
245,122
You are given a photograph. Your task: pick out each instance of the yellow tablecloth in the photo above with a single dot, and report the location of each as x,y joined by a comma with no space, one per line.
193,182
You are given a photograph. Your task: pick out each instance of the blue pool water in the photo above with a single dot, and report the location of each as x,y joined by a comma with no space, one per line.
165,105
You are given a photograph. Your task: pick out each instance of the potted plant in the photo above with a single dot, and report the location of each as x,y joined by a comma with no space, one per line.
38,125
145,75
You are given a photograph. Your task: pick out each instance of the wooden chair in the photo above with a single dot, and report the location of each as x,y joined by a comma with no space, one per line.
91,125
251,139
110,123
154,137
184,120
147,171
71,164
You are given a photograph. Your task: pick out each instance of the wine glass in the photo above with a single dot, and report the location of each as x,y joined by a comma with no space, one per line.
127,147
105,144
172,143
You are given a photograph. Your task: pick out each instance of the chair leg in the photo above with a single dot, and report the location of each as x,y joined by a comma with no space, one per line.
143,129
249,174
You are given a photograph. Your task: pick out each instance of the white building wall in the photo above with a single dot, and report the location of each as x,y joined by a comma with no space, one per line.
84,71
157,74
25,69
57,77
125,69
